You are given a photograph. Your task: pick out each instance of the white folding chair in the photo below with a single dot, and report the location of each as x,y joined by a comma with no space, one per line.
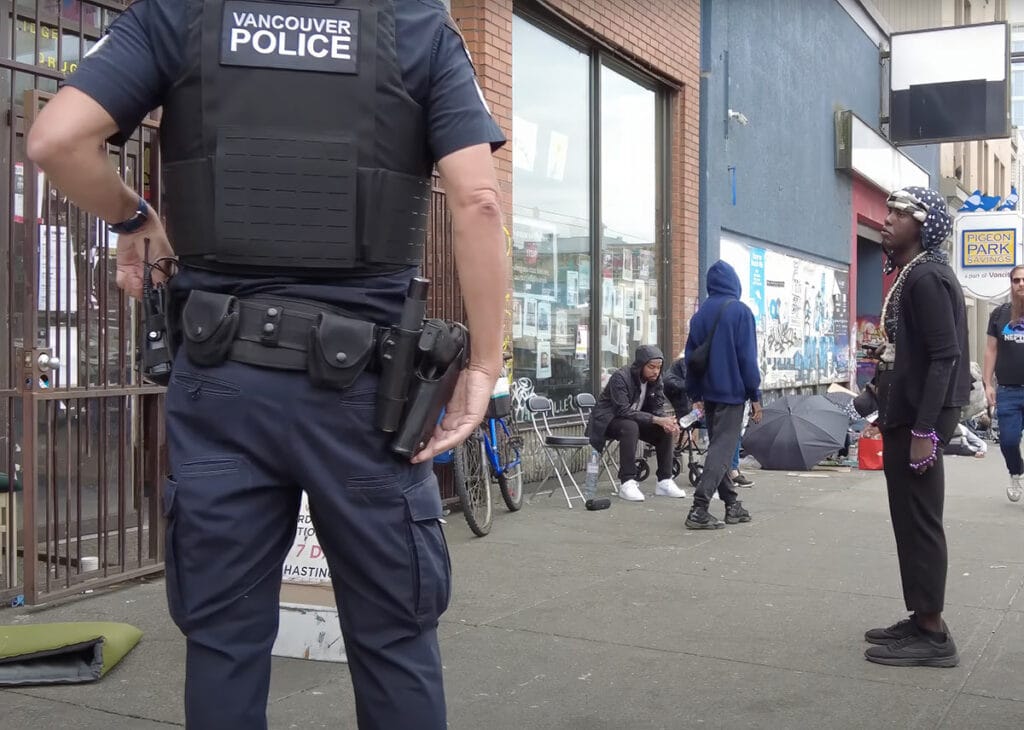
555,446
585,403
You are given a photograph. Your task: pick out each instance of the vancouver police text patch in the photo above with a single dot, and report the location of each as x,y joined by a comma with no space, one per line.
290,36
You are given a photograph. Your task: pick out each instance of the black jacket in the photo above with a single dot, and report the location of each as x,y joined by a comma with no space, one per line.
675,387
621,392
932,368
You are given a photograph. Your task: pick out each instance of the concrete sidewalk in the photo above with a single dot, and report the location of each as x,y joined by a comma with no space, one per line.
622,619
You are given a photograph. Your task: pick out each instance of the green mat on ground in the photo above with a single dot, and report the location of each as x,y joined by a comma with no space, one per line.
66,653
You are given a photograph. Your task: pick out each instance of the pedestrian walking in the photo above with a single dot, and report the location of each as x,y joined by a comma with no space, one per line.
297,145
721,386
1003,375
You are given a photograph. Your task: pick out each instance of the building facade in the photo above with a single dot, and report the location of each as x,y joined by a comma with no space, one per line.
988,165
601,104
792,107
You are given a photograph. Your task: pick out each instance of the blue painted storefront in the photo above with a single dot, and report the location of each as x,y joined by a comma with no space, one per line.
787,66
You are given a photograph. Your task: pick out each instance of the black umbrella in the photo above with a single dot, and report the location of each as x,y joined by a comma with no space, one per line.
796,432
842,397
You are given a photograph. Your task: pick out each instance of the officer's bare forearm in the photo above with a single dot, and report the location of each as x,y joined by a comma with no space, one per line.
67,142
475,201
483,276
89,180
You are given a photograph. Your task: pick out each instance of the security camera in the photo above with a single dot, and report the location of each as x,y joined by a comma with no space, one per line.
739,117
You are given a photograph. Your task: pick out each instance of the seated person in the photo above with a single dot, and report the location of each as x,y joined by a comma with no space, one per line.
631,407
675,387
675,390
965,443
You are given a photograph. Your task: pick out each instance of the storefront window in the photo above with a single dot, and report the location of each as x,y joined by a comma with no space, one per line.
551,223
629,287
568,338
40,42
55,41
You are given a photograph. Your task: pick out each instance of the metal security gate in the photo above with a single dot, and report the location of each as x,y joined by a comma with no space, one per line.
81,438
82,448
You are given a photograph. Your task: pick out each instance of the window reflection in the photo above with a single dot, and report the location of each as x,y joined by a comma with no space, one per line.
1017,94
629,291
551,213
558,247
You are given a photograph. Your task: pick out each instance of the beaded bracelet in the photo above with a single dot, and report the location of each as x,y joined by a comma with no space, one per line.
930,459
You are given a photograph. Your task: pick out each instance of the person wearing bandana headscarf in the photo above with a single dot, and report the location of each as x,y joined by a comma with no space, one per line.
922,380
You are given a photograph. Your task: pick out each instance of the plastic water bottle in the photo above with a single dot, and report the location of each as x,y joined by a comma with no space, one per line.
691,418
593,469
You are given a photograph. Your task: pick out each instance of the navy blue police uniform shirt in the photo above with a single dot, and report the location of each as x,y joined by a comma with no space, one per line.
132,67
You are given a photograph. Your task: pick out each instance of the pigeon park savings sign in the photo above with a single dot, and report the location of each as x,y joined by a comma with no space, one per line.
987,244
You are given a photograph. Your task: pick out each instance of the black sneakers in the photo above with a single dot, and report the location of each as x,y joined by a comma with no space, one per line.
736,513
700,519
905,644
742,480
920,649
899,630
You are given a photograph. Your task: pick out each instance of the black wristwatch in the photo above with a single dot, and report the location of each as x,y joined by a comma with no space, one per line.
135,222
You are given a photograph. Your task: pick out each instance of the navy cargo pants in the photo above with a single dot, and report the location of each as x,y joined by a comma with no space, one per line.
243,443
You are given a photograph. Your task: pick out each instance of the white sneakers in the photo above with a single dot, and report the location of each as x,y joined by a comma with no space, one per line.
1016,489
668,488
630,491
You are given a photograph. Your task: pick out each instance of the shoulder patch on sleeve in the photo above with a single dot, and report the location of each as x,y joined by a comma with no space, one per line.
450,22
98,45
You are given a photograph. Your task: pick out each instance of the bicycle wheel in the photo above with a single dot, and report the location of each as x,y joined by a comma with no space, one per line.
509,450
473,484
643,469
696,469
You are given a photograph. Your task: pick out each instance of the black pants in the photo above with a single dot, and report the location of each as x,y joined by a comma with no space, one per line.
915,505
724,422
628,433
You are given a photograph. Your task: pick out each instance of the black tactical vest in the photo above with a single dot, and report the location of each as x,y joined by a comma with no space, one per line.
290,145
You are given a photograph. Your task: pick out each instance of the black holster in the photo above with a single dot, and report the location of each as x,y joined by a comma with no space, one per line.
441,355
156,350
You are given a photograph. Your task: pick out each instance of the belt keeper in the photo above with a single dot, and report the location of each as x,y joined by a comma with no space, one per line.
270,332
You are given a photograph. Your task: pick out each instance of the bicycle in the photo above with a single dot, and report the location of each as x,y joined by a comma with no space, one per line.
494,449
687,443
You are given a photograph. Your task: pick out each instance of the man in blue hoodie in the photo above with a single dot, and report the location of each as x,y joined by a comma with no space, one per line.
729,381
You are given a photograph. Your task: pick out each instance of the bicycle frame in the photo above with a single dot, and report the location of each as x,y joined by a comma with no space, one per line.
490,429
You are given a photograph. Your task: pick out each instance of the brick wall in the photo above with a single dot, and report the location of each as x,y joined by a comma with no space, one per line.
659,36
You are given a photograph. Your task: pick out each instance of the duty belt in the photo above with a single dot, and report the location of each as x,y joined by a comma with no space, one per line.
280,333
274,332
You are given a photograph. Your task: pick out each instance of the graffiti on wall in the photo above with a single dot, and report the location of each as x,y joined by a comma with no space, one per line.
802,313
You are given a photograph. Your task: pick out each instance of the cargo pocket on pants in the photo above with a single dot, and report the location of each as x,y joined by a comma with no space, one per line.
170,563
431,565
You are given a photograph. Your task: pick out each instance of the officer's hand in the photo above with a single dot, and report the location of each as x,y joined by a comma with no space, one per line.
465,412
131,251
990,396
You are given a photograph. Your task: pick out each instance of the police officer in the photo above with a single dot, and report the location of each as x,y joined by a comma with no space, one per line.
297,142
